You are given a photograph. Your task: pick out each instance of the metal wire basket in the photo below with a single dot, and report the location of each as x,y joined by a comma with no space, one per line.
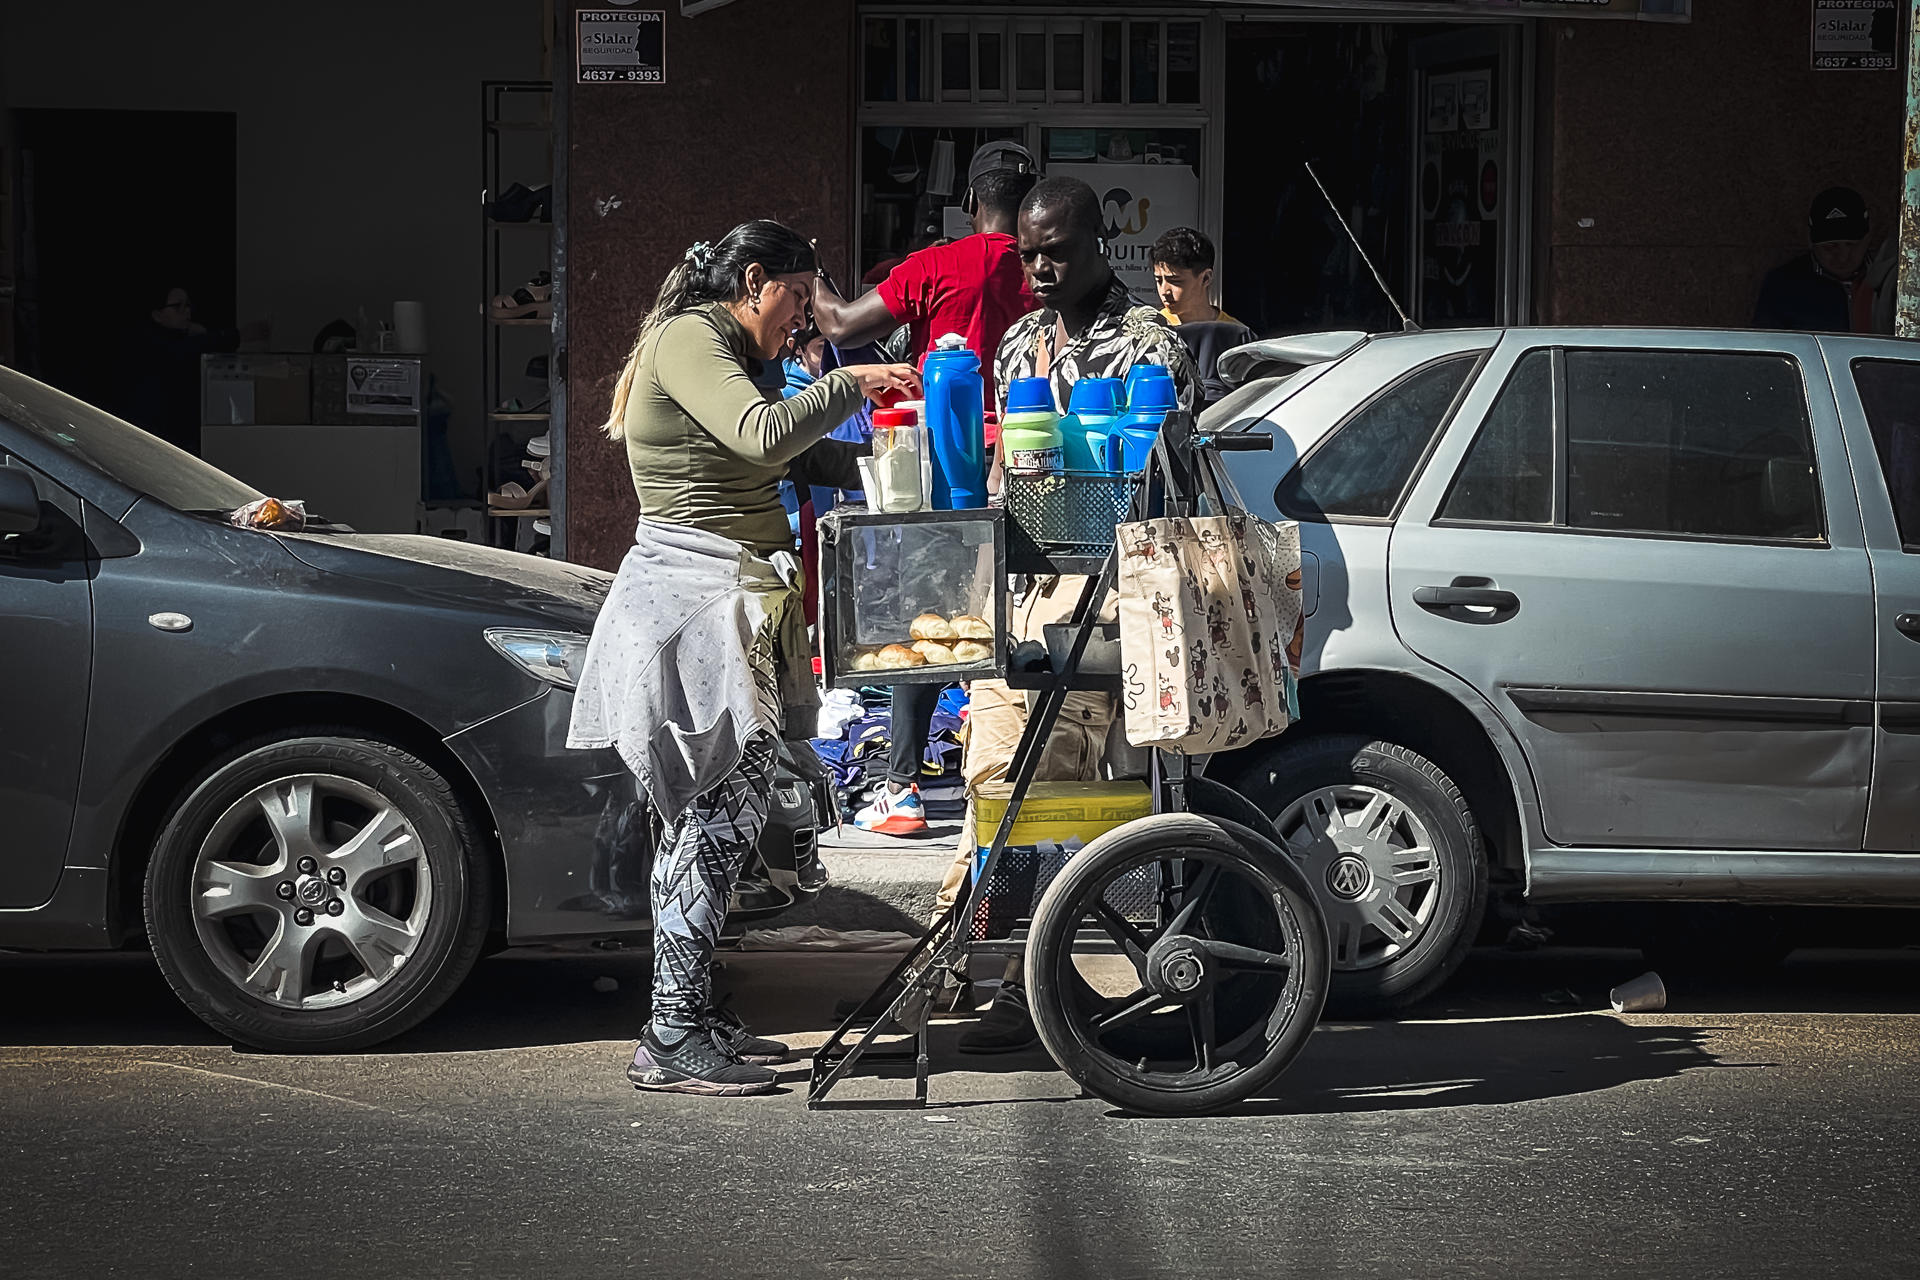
1069,513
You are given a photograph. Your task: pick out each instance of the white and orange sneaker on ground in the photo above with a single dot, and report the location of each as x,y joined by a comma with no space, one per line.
893,813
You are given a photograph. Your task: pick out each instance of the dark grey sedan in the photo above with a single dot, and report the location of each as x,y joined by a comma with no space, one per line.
322,772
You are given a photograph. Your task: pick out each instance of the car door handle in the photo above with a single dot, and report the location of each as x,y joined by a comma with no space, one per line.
1444,598
1908,625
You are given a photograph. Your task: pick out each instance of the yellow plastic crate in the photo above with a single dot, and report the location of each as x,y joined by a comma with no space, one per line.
1059,811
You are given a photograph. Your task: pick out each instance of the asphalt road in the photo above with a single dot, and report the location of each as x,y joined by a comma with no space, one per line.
1766,1129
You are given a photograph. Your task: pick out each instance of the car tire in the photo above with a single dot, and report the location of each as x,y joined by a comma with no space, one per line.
366,843
1374,974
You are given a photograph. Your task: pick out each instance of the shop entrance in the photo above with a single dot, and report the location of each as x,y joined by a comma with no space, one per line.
119,207
1415,130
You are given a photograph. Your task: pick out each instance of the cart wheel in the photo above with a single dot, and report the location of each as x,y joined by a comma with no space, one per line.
1177,964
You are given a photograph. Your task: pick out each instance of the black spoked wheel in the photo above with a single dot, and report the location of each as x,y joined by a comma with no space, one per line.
1177,965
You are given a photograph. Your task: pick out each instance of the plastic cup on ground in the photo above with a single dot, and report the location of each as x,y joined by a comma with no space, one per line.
1645,994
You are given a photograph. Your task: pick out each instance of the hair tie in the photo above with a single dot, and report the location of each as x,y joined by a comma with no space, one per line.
701,256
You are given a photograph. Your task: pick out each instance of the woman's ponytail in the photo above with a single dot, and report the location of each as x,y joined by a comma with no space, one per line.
709,273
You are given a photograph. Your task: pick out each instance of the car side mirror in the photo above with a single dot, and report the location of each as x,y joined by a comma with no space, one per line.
19,502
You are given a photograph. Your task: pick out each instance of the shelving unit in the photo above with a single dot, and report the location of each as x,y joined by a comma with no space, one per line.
517,132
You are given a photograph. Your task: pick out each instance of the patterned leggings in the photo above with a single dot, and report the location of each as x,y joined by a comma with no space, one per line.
693,877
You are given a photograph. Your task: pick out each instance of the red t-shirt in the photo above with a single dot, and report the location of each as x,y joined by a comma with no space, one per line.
973,287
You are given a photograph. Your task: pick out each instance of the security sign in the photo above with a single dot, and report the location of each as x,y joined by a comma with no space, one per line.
1855,35
622,46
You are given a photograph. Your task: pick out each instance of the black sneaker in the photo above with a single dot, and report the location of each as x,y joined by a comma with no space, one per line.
1007,1026
743,1044
700,1063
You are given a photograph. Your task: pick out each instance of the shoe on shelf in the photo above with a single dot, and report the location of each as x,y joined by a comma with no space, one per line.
893,813
541,446
699,1062
1006,1027
744,1045
537,368
521,203
543,527
522,304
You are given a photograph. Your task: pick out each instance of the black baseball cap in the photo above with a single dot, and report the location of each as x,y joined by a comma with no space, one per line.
992,157
1838,213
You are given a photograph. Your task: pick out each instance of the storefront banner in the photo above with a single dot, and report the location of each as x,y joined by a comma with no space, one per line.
1139,203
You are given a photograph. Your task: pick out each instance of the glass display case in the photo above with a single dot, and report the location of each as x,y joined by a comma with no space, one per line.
913,598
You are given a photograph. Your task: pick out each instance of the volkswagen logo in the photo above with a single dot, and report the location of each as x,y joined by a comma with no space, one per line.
1349,877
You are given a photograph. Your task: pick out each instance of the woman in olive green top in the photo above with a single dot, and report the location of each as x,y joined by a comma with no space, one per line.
701,646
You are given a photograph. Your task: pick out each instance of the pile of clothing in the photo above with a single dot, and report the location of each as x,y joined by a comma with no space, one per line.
856,736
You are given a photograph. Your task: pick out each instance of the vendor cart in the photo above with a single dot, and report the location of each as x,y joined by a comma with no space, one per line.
1177,962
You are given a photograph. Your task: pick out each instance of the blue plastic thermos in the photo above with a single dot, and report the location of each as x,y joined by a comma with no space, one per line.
1093,408
1150,397
956,424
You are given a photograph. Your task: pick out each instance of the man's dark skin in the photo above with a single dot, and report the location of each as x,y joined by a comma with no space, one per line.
1067,272
866,319
1066,268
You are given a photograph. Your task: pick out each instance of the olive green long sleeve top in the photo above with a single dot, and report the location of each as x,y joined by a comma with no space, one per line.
708,448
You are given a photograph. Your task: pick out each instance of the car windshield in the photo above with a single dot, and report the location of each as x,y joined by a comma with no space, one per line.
119,449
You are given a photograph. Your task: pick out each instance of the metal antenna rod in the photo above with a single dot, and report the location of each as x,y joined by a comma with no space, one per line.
1405,322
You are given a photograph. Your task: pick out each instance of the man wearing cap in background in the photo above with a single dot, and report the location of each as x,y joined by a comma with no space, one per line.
974,287
1837,286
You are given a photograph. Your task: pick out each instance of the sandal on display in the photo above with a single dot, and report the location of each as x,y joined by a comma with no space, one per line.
521,203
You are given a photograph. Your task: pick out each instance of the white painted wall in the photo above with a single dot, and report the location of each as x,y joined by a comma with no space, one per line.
358,141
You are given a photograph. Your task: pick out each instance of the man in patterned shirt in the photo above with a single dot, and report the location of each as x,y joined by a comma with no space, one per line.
1088,326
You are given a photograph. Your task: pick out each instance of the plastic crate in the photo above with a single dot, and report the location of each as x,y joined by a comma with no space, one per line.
1055,822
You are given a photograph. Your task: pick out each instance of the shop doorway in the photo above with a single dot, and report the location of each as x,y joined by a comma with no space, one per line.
117,206
1412,128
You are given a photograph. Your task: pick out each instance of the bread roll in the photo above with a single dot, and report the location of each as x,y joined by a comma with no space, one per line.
972,651
866,660
936,654
931,626
896,656
972,627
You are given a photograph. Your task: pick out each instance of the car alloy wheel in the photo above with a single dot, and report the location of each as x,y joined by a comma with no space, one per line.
1372,862
311,891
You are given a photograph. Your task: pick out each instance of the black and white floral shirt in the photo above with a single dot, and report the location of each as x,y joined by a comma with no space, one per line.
1126,332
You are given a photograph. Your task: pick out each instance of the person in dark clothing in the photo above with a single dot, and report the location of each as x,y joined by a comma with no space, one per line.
1831,288
162,389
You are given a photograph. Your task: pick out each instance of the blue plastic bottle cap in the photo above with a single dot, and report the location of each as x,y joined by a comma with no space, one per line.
1150,389
1096,396
1030,395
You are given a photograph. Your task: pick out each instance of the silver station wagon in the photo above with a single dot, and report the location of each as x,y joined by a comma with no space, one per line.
1594,615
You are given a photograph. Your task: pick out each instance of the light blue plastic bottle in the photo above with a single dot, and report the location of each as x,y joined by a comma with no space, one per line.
1092,410
1150,397
956,424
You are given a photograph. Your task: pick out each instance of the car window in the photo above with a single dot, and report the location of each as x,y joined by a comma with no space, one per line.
59,538
1714,444
1890,391
120,450
1366,464
1507,475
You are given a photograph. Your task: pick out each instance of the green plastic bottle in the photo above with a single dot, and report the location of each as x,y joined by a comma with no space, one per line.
1030,430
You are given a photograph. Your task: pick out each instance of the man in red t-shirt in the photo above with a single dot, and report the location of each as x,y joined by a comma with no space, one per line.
973,287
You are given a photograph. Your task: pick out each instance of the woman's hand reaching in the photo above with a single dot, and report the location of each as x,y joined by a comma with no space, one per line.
879,382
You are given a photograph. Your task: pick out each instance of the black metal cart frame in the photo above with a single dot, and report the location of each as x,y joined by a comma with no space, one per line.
1174,482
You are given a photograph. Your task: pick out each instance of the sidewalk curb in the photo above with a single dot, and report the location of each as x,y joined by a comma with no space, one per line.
890,889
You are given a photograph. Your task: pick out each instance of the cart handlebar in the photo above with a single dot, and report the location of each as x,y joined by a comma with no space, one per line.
1243,441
